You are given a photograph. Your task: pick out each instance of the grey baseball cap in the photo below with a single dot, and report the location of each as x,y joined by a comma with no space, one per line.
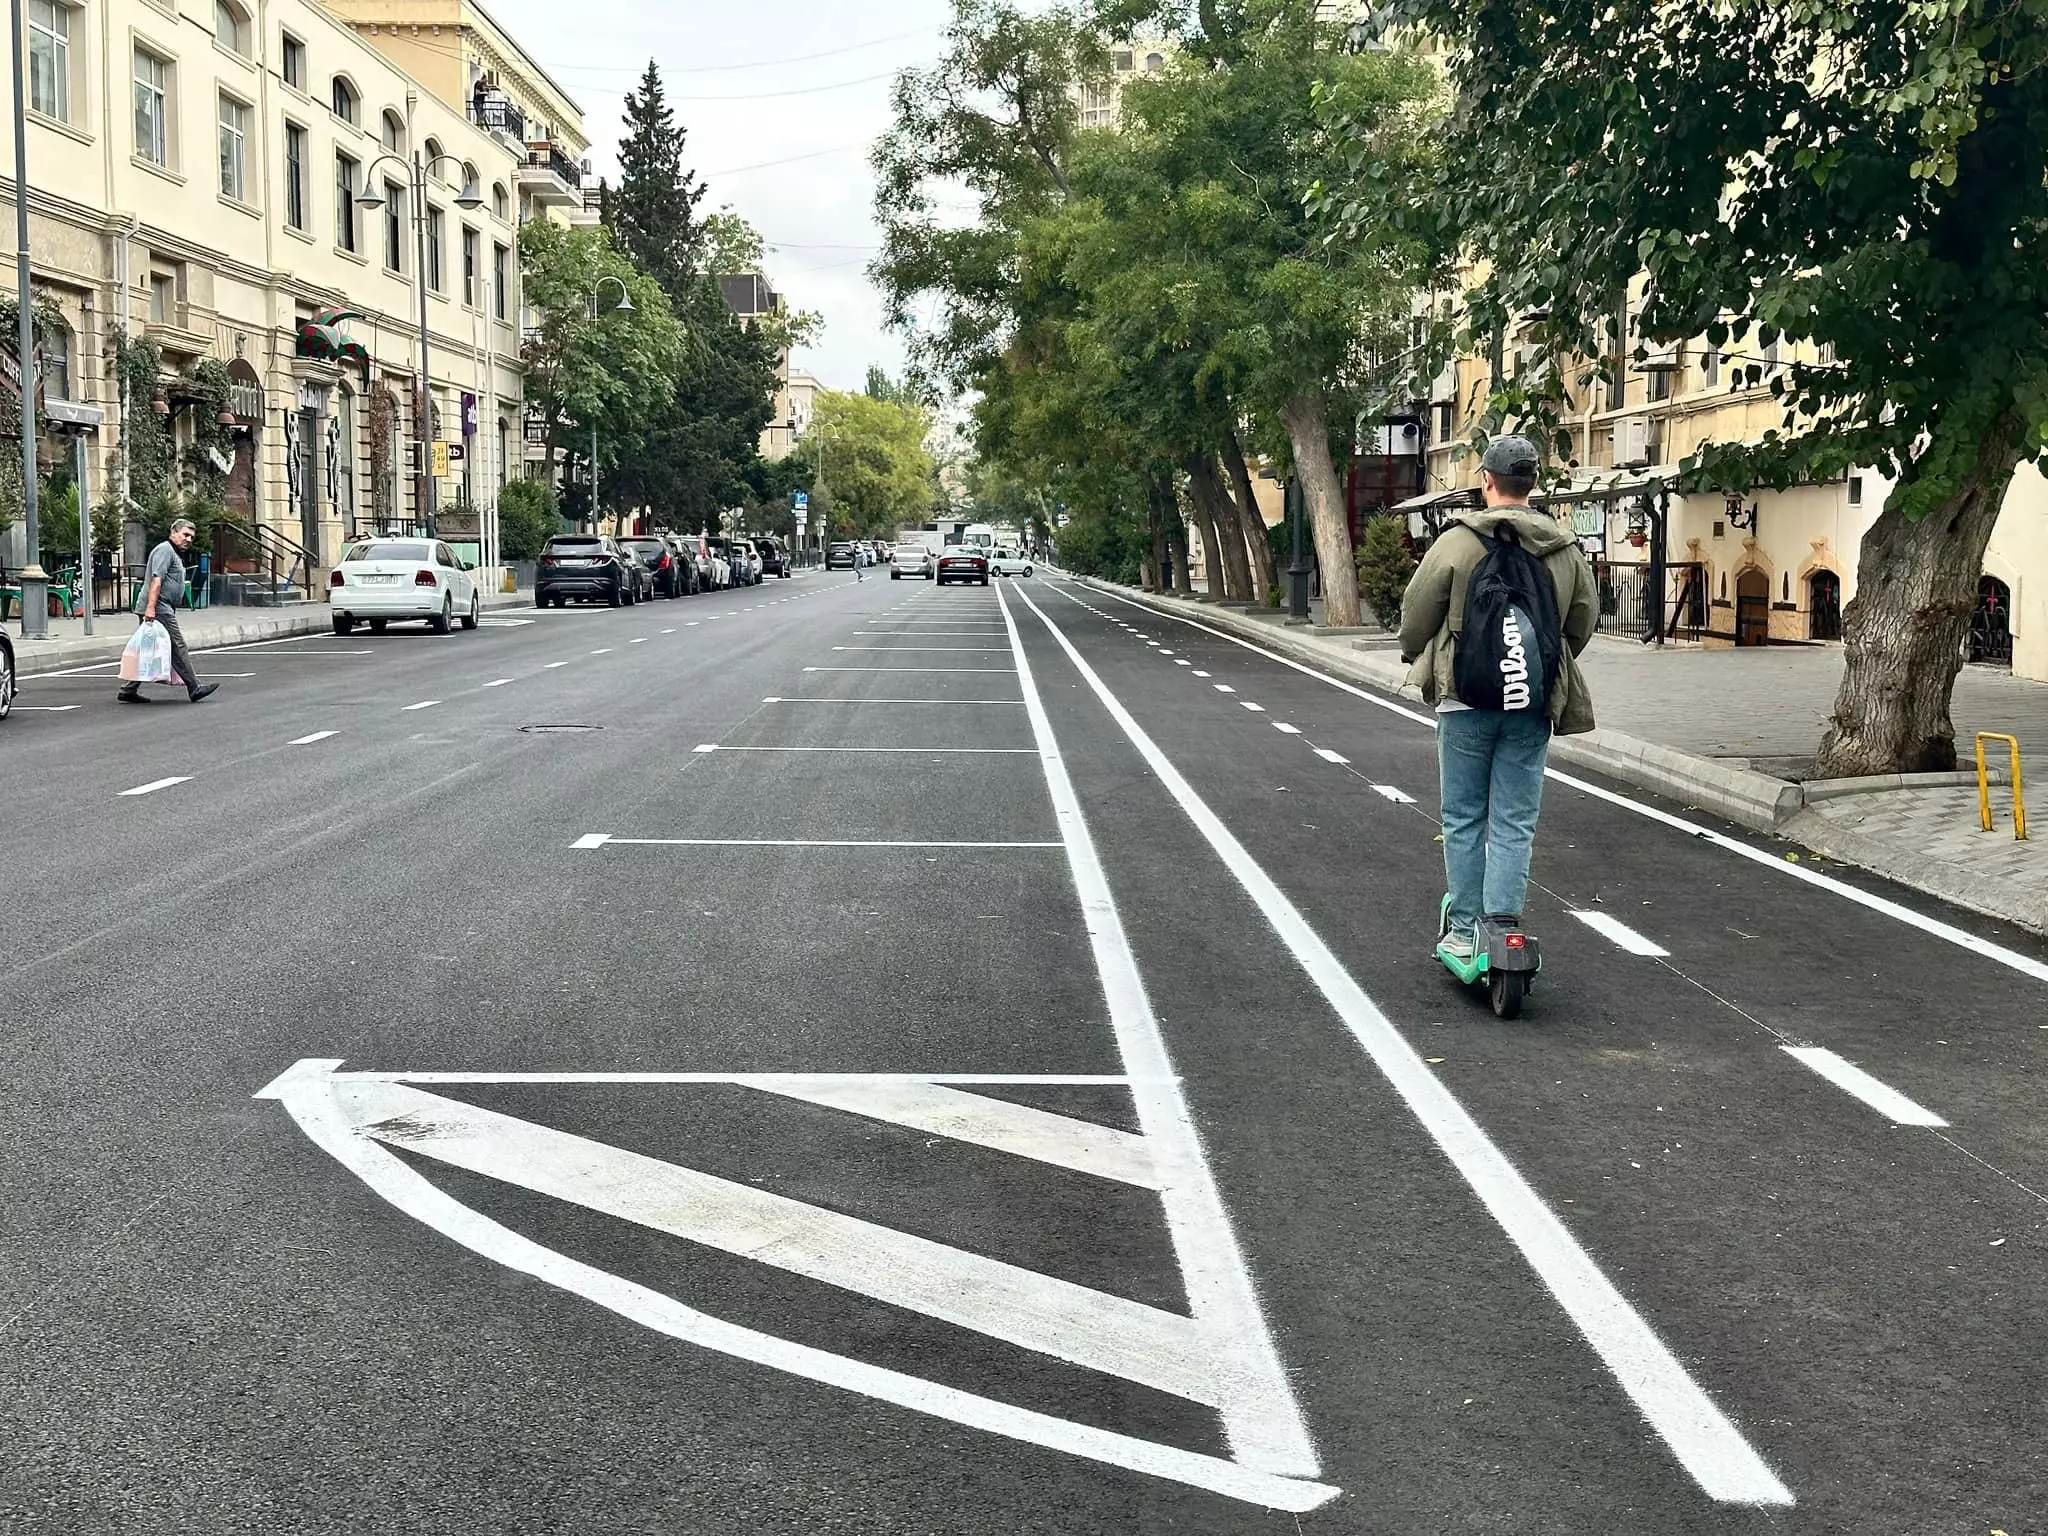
1511,455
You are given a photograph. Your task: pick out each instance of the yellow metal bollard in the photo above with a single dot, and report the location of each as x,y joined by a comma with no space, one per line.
2019,806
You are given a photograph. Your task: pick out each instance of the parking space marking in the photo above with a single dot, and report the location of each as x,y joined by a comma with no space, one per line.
946,703
1620,934
1398,796
307,741
1857,1083
1008,670
154,785
423,704
1331,757
920,751
607,840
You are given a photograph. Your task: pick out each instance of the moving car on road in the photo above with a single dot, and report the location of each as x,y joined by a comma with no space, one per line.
384,579
658,564
963,562
842,557
1008,562
774,562
6,676
588,567
910,560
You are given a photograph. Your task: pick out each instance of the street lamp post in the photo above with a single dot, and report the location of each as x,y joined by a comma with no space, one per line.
626,304
35,601
1297,573
471,198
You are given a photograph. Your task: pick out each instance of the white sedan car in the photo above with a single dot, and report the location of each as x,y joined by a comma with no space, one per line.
1007,562
379,580
911,560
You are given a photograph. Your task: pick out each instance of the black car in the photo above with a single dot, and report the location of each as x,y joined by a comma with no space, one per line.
6,676
665,573
842,557
773,561
963,562
588,567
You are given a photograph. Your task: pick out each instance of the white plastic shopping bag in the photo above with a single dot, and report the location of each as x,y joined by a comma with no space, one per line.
148,656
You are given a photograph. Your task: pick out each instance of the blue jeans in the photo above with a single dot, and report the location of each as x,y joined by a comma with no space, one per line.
1492,771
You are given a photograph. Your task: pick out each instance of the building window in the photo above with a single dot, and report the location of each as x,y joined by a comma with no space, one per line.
1855,490
469,177
501,264
1154,62
1124,60
433,153
434,232
470,249
49,59
344,100
1443,421
345,169
295,176
1098,106
152,108
55,355
1710,369
292,64
163,297
234,144
344,473
501,202
394,227
391,131
230,28
1657,382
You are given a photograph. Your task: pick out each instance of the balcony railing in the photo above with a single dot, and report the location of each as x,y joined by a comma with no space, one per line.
549,157
498,113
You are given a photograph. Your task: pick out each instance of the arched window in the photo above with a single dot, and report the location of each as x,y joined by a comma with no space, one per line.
392,132
231,27
55,350
469,176
501,201
432,151
344,100
501,469
1154,62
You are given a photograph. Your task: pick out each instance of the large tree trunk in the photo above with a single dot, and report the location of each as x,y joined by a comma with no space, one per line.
1222,536
1156,526
1251,522
1916,587
1177,545
1204,522
1307,420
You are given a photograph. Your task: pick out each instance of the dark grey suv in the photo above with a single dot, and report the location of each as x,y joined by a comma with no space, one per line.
588,567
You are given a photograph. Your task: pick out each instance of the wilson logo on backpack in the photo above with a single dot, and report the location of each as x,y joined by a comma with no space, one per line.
1514,667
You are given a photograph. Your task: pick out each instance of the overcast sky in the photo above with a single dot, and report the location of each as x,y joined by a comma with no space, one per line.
766,81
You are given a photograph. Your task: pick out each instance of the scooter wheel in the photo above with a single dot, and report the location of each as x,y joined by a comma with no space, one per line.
1506,989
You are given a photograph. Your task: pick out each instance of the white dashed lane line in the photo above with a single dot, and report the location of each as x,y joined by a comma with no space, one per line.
1257,709
1399,797
307,741
498,682
1225,688
1857,1083
1291,730
554,664
156,784
1620,934
1331,757
423,704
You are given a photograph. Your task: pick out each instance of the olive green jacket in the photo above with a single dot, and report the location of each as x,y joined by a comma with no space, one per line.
1433,608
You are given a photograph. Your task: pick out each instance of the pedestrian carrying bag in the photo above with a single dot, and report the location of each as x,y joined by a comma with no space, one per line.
147,658
1510,643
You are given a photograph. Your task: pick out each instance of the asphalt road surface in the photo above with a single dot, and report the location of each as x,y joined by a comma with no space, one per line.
859,1057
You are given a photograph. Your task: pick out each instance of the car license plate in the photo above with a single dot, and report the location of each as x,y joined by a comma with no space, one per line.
376,579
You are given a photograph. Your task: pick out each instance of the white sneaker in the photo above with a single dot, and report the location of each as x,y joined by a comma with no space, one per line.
1456,944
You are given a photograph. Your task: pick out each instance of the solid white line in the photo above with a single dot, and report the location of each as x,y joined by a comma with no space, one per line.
946,703
1331,757
1005,670
1620,934
49,709
423,704
771,1080
154,785
497,682
988,751
708,746
1262,1420
311,1102
592,840
1257,709
307,741
215,650
1853,1080
807,842
1398,796
1282,725
1703,1439
1018,1129
2012,959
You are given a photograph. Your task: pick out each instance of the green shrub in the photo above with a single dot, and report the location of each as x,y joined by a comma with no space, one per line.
1384,566
528,516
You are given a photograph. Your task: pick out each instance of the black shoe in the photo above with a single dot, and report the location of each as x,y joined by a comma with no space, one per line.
125,697
203,690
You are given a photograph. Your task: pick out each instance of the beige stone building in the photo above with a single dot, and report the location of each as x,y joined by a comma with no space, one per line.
195,169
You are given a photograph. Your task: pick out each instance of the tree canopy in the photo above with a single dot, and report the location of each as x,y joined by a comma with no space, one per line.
876,465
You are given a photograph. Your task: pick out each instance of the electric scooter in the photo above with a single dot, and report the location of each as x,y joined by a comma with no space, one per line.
1504,959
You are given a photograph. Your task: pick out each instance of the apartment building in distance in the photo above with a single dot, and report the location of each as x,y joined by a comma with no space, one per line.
196,175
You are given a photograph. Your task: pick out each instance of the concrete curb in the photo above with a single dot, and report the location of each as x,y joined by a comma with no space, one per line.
1965,886
32,658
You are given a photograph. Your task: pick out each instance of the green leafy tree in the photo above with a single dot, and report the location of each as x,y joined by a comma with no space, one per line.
1869,176
876,462
528,516
1384,566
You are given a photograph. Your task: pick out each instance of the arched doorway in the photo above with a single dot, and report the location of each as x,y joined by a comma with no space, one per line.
1991,625
1823,606
1752,608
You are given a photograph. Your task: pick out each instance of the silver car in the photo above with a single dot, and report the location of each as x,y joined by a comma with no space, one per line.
911,560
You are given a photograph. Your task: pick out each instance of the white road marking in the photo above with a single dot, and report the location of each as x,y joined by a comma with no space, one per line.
772,699
2012,959
1398,796
154,785
307,741
1282,725
690,623
498,682
1257,709
1182,662
640,640
1331,757
911,669
1856,1082
1620,934
945,703
423,704
592,840
705,746
254,654
1200,673
794,842
668,631
922,751
768,1080
49,709
1704,1440
554,664
602,650
348,1117
1262,1420
946,650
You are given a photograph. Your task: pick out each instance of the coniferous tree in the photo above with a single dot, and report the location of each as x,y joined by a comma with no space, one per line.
653,210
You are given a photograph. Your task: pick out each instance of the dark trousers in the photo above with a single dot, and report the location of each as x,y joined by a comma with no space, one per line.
181,659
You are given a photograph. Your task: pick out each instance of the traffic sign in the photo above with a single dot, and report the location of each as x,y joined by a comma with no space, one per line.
803,500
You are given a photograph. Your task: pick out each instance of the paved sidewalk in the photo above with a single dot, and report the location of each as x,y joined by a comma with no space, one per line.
1733,733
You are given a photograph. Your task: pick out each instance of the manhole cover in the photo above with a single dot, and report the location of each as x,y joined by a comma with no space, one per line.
549,730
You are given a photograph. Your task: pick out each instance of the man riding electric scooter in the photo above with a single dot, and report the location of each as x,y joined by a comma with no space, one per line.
1493,621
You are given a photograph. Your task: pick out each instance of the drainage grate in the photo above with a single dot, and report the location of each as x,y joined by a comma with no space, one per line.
549,730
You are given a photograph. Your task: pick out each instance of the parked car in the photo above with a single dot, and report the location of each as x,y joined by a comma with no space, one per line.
710,575
728,550
910,560
379,580
6,676
1008,562
664,573
842,557
963,562
589,567
686,563
774,561
746,559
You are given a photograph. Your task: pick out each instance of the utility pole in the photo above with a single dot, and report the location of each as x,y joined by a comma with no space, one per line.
35,581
